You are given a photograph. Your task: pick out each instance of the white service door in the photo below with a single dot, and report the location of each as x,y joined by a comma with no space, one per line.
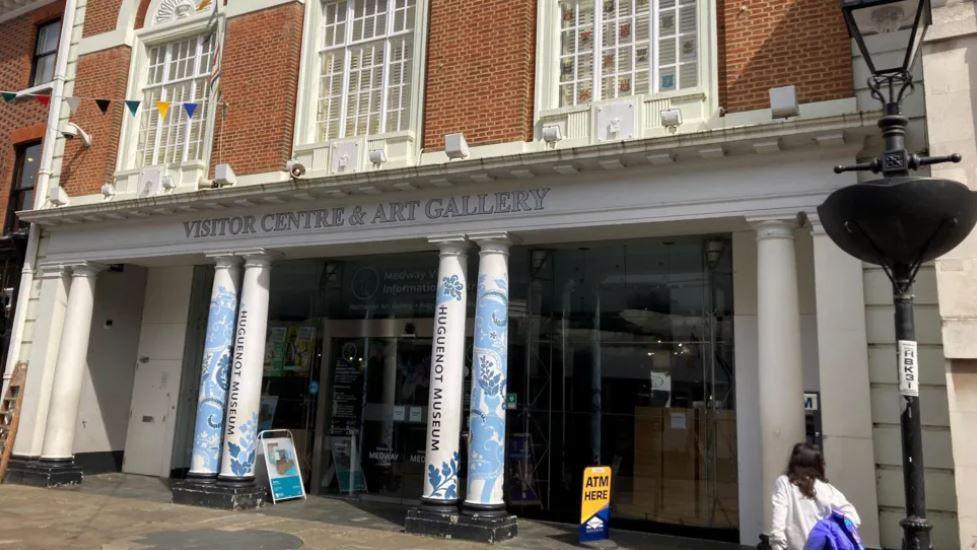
149,437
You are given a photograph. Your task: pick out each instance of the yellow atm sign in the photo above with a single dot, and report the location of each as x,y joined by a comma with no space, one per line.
595,503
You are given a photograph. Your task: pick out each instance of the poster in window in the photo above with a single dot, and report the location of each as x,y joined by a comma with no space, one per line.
298,349
275,351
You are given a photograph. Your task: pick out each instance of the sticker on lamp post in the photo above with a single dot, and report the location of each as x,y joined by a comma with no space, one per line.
595,504
908,369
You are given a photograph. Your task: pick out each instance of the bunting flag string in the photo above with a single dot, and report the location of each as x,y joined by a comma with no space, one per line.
103,104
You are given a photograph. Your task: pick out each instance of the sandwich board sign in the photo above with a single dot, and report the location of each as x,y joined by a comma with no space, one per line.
282,465
595,503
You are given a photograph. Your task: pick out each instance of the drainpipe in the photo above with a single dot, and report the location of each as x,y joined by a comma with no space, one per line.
44,171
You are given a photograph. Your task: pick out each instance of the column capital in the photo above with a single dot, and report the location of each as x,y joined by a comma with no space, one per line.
257,257
815,224
224,260
453,245
773,228
85,269
495,241
50,271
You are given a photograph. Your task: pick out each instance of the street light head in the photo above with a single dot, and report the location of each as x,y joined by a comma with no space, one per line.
866,19
900,223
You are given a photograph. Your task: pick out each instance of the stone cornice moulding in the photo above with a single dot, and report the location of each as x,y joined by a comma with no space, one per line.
466,172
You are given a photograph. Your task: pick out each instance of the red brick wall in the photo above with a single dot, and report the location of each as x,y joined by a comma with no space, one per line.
24,120
779,42
102,74
101,16
259,82
480,71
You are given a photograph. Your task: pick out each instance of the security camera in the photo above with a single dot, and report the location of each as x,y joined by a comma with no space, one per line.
71,130
295,168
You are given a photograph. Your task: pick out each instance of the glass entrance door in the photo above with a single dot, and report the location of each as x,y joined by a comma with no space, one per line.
383,411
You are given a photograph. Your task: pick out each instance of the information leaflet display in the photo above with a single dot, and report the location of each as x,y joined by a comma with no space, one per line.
281,463
595,503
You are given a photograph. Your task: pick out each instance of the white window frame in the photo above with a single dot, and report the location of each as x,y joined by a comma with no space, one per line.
187,173
306,112
176,109
547,101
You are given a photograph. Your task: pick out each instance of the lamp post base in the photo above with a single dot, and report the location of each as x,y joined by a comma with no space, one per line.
218,494
485,528
44,473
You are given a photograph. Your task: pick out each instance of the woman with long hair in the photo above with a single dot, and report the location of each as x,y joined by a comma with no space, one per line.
802,497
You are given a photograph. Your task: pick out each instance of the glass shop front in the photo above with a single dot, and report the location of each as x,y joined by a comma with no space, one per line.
620,354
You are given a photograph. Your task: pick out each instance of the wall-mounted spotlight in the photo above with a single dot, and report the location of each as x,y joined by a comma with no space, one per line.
224,175
783,102
378,157
671,119
552,133
455,146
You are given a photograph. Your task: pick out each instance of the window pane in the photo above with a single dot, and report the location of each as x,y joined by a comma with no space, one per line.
576,50
47,37
178,73
44,69
31,156
361,91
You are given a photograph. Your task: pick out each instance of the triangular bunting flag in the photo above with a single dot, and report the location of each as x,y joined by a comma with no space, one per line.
133,105
103,105
163,107
43,99
73,103
9,96
190,108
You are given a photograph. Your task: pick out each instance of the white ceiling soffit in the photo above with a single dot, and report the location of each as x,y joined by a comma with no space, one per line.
14,8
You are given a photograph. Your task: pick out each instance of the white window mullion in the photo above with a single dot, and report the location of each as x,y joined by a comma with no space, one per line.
598,55
188,125
167,58
656,43
387,53
348,53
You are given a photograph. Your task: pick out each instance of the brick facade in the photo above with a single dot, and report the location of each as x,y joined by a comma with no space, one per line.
101,16
768,43
480,75
480,71
101,74
259,82
22,121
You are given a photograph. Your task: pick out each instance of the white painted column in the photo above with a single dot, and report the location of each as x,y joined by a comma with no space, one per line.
59,437
247,363
486,460
215,371
846,411
444,407
42,360
780,376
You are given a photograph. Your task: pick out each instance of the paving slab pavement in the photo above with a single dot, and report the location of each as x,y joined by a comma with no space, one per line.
127,512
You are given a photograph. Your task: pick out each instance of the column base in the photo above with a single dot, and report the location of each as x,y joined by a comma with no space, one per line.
210,493
44,473
487,528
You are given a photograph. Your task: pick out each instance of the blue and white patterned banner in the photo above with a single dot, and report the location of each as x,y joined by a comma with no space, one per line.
486,461
214,376
447,376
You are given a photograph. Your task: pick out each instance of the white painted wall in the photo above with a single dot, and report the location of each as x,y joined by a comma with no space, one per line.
950,63
103,410
745,338
937,456
165,312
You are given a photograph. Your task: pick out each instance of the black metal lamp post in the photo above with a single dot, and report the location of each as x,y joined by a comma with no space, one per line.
899,221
